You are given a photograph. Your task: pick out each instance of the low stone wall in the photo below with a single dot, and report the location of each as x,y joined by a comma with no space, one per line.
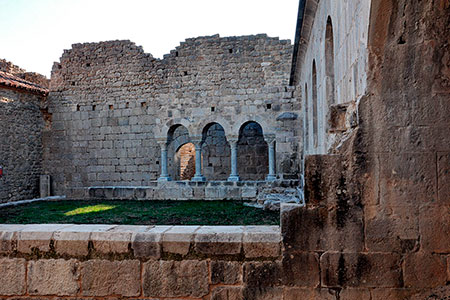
186,190
137,262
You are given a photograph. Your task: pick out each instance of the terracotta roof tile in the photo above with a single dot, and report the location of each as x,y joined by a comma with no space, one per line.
10,80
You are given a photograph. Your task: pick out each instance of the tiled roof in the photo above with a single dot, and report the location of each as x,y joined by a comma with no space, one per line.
7,79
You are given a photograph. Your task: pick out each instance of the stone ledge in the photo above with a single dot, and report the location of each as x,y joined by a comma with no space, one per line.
143,242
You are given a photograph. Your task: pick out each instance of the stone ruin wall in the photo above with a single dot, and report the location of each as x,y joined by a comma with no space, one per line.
110,101
377,210
20,144
9,67
350,23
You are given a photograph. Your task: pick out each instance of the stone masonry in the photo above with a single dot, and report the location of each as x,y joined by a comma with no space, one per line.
111,103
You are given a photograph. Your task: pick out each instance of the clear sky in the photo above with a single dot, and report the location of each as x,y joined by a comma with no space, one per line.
34,33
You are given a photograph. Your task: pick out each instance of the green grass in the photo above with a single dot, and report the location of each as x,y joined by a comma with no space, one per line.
138,213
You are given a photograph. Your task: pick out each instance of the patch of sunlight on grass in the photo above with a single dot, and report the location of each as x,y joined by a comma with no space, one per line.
89,209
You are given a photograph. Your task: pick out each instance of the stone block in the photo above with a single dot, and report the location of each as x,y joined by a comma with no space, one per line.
249,192
71,242
53,277
407,179
360,269
301,269
317,229
148,244
8,241
263,293
187,278
308,294
219,240
433,230
37,237
262,241
392,294
12,279
226,272
424,270
107,278
262,274
227,293
178,239
111,242
391,228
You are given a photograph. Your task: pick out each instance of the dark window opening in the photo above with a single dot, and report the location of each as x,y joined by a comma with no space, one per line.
127,105
73,82
78,107
88,65
185,73
94,107
143,104
176,54
213,108
230,50
111,107
269,106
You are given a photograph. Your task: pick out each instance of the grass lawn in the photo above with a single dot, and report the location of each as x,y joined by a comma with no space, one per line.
138,213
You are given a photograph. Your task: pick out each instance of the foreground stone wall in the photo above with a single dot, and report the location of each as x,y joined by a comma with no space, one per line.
111,103
22,125
138,262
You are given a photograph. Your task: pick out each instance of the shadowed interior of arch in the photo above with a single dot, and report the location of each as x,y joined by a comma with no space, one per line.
253,160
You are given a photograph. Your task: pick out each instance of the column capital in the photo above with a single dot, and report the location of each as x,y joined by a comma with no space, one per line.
269,138
197,141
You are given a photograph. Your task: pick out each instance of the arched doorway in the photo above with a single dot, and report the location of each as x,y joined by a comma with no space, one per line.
177,137
252,152
215,153
185,157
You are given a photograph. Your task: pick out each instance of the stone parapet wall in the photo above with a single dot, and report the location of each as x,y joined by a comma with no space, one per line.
186,190
22,126
138,262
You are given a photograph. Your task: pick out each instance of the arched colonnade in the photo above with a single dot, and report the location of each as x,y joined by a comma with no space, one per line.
245,151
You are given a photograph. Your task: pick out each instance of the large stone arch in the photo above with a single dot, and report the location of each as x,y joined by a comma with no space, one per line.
177,136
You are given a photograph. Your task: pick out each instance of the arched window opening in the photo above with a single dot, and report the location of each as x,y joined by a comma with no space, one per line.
186,161
306,123
216,153
252,150
329,62
315,104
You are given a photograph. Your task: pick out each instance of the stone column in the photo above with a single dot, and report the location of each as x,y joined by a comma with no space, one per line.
234,171
198,161
271,143
164,174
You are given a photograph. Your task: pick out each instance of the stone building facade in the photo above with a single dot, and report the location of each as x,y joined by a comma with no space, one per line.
23,119
120,116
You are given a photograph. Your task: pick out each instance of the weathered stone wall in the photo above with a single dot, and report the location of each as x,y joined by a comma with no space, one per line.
139,262
350,26
377,209
110,102
9,67
22,125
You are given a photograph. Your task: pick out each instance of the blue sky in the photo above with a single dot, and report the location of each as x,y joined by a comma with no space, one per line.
34,33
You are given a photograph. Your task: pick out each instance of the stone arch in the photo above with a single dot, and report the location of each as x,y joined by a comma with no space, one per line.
177,136
315,105
198,127
252,152
163,132
242,120
216,152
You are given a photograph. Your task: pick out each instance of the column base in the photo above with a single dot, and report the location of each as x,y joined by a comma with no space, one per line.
271,177
234,178
200,178
164,178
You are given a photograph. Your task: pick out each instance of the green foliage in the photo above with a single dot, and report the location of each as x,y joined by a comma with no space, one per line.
138,213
